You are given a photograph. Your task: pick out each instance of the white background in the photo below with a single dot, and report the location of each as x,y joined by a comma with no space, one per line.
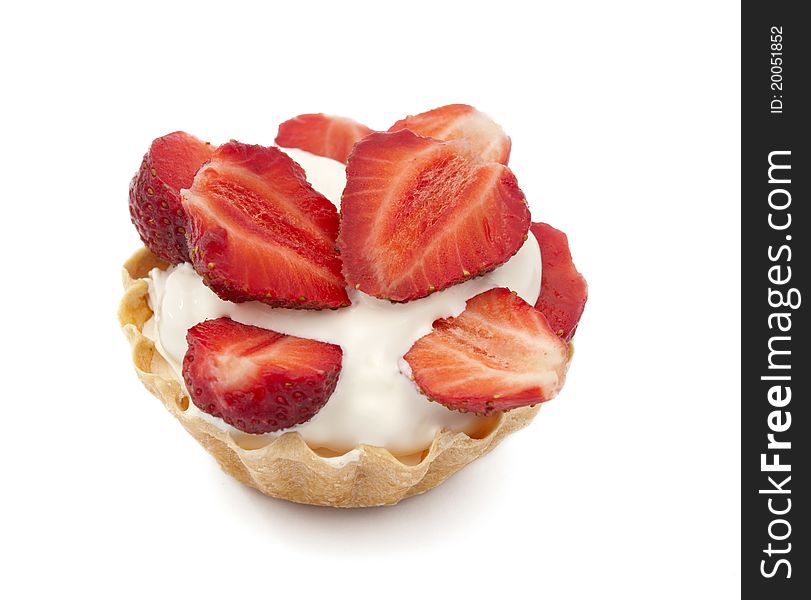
625,125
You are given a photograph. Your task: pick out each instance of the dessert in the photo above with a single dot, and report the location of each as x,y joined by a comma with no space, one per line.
349,317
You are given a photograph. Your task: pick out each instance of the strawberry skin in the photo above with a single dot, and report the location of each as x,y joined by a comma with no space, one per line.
168,166
324,135
497,355
259,231
460,121
255,379
563,289
419,215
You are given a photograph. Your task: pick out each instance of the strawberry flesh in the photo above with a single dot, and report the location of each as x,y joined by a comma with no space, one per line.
460,121
324,135
255,379
168,166
419,215
259,231
563,289
497,355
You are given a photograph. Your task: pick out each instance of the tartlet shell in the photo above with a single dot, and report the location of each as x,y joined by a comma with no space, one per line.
287,467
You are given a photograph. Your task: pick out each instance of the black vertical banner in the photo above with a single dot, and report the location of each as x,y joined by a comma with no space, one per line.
776,366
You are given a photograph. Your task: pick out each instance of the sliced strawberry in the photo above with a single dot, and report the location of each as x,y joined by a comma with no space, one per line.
324,135
259,231
255,379
419,215
168,166
563,289
460,121
497,355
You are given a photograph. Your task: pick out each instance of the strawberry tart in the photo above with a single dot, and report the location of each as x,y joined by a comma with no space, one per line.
349,316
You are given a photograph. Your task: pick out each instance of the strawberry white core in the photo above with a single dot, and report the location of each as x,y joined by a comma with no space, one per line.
374,402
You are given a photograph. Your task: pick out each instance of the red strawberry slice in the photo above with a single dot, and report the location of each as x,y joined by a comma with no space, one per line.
255,379
460,121
324,135
259,231
563,289
419,215
497,355
168,166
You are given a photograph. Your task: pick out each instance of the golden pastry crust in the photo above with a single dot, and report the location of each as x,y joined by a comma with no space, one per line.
287,467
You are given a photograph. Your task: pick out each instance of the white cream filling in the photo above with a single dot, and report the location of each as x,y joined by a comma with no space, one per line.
374,402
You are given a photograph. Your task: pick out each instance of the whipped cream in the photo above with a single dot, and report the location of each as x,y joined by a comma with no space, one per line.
375,402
